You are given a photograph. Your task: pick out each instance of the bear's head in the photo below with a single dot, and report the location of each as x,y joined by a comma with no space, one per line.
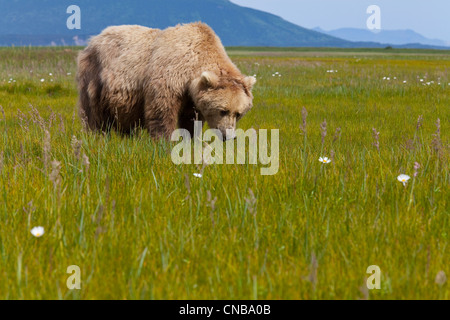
222,100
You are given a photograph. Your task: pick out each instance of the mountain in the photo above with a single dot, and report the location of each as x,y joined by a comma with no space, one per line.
30,21
43,22
394,37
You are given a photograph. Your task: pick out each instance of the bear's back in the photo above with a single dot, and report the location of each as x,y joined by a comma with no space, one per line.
184,52
188,38
127,43
123,53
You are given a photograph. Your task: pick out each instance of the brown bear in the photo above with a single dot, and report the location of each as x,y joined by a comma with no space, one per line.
132,76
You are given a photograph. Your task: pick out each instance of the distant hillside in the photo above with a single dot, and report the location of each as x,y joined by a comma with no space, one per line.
43,22
234,24
395,37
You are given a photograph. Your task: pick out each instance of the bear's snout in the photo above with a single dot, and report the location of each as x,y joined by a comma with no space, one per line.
229,134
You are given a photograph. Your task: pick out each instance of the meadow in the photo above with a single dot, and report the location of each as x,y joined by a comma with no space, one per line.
140,227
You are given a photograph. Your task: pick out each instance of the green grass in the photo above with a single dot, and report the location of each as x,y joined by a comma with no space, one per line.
140,227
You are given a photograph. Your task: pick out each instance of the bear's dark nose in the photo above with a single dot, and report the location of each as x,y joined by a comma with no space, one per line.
224,138
229,134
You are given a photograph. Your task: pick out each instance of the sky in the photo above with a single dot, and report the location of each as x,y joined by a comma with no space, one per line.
431,18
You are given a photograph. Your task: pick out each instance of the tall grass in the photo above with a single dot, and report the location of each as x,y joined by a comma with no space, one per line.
140,227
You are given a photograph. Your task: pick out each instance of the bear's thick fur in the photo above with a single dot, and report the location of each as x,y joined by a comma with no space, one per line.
132,76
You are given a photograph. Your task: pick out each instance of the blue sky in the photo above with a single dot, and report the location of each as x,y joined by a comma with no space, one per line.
430,18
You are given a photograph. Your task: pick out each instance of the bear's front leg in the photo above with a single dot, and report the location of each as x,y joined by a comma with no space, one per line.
161,112
188,116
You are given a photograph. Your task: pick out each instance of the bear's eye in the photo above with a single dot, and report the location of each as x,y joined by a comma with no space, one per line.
223,113
238,115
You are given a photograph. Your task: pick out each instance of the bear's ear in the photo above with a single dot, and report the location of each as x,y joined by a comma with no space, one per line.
209,79
249,82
